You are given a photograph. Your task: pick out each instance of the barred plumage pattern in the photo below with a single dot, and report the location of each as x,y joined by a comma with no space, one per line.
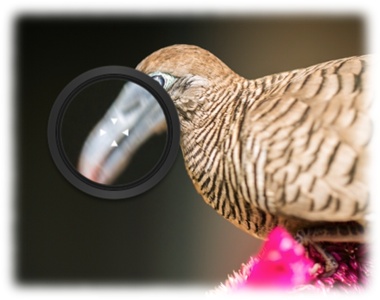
289,148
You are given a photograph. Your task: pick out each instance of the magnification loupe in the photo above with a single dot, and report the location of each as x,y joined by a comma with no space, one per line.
113,132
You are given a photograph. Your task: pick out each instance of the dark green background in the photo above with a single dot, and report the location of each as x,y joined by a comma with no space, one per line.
167,235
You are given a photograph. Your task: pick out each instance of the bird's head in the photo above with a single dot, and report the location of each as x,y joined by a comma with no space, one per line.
188,74
182,61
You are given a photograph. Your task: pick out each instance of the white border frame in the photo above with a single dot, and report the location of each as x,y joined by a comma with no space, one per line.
9,289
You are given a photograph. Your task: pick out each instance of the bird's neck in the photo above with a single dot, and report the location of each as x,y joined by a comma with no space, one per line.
222,105
206,139
213,128
207,143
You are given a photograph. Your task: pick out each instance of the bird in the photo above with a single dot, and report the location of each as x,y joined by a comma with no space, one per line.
288,149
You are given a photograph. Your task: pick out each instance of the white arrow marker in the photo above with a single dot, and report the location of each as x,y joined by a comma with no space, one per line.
114,144
126,132
114,120
102,132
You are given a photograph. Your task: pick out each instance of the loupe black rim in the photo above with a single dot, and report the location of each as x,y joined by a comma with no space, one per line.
137,187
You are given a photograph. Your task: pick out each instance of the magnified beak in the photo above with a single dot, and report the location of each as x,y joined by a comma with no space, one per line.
130,121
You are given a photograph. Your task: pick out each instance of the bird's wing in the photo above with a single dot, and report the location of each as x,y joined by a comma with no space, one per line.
307,141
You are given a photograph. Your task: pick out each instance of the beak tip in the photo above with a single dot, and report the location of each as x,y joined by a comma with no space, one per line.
88,170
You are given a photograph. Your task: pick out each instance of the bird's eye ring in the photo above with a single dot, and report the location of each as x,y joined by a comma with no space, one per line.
164,79
160,79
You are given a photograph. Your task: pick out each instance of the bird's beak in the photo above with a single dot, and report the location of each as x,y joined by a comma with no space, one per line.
129,122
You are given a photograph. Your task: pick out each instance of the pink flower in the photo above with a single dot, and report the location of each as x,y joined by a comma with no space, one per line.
283,264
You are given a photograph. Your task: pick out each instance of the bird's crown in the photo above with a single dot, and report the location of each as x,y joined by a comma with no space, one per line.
182,60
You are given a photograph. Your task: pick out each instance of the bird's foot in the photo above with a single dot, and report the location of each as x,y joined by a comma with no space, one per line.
331,264
317,236
314,270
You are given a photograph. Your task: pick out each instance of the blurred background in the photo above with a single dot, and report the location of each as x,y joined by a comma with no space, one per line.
167,235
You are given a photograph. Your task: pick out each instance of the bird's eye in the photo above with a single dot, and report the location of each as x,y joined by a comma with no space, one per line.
164,79
160,79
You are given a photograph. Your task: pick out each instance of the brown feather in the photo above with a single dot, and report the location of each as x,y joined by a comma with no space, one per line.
289,148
